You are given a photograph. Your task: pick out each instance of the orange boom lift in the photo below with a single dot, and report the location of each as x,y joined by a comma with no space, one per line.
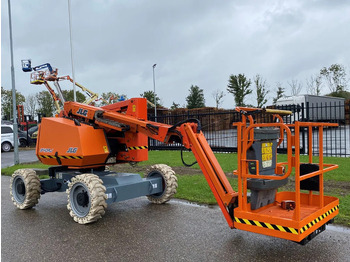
84,139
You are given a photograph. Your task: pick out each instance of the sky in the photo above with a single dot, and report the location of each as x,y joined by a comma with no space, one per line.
116,43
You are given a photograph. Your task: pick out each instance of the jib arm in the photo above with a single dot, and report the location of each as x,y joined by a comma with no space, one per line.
211,169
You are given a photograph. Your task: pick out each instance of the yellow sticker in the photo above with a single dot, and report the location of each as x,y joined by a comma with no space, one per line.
134,108
266,154
105,148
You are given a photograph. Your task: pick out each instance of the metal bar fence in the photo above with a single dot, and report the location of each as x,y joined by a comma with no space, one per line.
222,136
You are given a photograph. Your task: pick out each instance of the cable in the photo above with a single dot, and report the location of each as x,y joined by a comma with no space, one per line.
191,120
183,161
199,127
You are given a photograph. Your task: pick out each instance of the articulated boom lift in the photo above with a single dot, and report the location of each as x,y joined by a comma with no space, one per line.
42,74
84,139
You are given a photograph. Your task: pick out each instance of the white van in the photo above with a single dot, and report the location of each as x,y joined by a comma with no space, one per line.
6,138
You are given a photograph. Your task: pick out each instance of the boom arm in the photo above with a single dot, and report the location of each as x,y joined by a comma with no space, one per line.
92,96
187,133
54,96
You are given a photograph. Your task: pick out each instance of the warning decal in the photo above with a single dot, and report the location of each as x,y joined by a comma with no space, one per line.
266,154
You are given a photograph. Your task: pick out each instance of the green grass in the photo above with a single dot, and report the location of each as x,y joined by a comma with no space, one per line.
194,188
343,217
228,162
8,171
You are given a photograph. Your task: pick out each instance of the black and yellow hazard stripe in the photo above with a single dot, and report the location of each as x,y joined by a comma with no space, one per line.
137,147
283,228
266,225
61,157
320,218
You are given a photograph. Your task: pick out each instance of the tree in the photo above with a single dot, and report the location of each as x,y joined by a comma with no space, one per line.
69,96
149,95
261,91
6,102
110,98
218,97
196,98
239,87
295,87
314,85
174,106
279,94
343,94
335,77
30,105
46,103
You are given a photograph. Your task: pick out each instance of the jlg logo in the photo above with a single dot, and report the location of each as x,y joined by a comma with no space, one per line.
72,150
82,112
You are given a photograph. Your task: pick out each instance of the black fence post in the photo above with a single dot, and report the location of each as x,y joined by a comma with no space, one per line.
303,129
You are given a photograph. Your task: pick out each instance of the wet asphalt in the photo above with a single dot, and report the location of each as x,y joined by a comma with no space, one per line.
136,230
25,156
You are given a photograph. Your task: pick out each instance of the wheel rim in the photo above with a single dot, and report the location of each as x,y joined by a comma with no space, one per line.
6,147
80,199
18,189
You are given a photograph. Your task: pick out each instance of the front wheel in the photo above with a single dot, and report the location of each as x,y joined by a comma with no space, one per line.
25,188
86,198
169,183
6,147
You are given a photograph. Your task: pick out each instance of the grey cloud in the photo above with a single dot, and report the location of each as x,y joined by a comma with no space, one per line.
193,42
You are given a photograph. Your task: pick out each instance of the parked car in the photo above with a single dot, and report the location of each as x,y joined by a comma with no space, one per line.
24,139
32,130
7,141
33,133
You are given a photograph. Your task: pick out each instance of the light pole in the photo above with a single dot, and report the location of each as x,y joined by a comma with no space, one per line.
154,91
71,49
15,125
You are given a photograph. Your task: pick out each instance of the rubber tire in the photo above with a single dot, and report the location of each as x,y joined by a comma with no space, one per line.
32,188
6,147
97,198
169,182
23,142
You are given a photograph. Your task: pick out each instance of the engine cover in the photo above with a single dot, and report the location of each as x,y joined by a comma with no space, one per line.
62,142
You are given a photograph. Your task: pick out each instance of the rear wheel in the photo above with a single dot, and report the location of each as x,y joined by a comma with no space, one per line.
169,183
86,198
6,147
25,188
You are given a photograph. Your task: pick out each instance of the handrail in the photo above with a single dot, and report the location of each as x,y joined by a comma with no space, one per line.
289,151
318,172
308,124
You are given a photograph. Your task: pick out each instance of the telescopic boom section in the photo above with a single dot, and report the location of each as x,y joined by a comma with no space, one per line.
186,133
92,96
